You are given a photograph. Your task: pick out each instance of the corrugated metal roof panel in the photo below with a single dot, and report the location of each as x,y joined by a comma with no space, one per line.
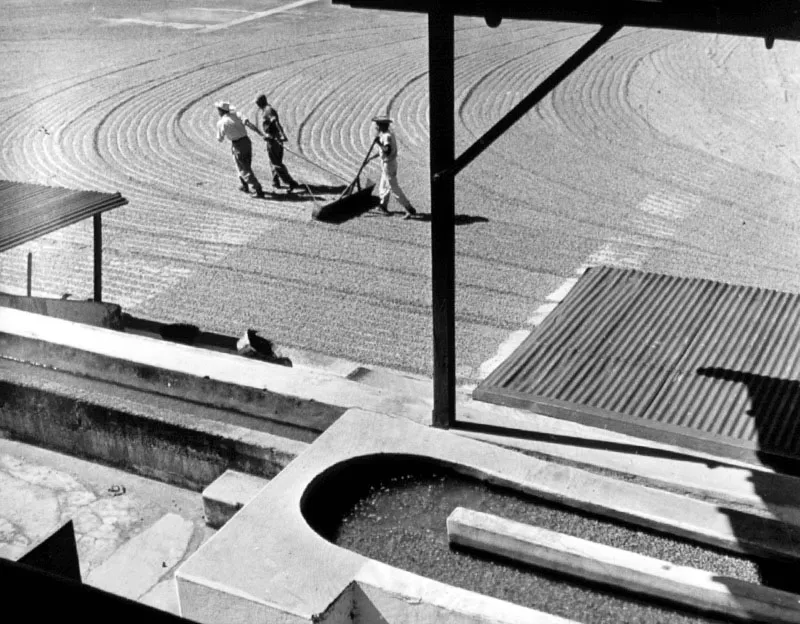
707,365
28,211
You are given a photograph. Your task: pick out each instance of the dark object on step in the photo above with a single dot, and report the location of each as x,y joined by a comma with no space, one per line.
253,345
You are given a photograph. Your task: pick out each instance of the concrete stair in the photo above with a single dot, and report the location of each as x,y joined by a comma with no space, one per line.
228,494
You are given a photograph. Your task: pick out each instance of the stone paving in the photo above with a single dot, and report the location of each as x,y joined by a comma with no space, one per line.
131,532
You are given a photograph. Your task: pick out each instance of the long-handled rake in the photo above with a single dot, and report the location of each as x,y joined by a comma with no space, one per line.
354,198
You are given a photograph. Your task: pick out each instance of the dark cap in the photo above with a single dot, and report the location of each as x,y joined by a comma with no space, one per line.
261,100
382,120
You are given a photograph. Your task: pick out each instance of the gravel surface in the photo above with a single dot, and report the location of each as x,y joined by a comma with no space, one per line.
670,152
398,515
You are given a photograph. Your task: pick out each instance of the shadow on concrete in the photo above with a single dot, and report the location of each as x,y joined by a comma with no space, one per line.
56,554
459,219
54,595
364,609
632,449
775,410
185,333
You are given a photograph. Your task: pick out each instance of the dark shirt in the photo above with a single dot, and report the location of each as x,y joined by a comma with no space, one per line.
271,125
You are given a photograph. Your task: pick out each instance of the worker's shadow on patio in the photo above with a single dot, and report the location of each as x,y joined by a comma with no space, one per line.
322,193
367,208
775,409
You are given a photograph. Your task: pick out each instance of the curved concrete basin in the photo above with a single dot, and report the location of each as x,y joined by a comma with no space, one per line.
268,564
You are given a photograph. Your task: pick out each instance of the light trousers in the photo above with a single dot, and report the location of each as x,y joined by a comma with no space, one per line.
390,186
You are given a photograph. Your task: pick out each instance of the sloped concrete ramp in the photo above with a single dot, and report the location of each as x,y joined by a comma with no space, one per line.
705,365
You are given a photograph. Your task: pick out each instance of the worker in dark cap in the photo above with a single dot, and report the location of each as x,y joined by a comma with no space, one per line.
275,137
230,126
387,143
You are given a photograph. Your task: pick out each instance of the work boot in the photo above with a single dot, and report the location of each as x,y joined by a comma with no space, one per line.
382,207
259,194
410,212
243,186
293,185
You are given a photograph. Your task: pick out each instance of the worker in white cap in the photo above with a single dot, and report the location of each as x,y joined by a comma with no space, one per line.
387,143
231,127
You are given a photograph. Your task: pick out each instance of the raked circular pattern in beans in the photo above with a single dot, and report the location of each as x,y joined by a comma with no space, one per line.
667,151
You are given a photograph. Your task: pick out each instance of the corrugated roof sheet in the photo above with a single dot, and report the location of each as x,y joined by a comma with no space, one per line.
28,211
706,365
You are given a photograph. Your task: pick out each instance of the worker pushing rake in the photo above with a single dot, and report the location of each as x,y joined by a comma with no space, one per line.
355,195
387,144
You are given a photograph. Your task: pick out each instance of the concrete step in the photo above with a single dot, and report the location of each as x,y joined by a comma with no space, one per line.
396,381
228,494
142,562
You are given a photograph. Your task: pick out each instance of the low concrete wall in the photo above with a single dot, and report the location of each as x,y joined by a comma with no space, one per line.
199,606
144,437
108,315
431,602
286,416
305,385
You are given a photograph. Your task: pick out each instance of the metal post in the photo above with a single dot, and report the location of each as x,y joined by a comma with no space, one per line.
30,273
98,258
442,152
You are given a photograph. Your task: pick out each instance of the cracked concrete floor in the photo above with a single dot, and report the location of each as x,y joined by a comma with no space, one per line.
131,532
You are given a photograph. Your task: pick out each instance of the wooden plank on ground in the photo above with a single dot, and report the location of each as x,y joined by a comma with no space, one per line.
620,568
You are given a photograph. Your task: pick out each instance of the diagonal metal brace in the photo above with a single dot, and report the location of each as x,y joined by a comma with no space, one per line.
532,99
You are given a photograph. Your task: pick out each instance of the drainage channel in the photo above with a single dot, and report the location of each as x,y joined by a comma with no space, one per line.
395,512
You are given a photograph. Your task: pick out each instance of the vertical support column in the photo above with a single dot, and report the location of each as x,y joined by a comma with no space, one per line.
30,273
442,153
98,258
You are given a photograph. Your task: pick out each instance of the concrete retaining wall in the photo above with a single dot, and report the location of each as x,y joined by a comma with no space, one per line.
108,315
118,428
286,416
377,604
